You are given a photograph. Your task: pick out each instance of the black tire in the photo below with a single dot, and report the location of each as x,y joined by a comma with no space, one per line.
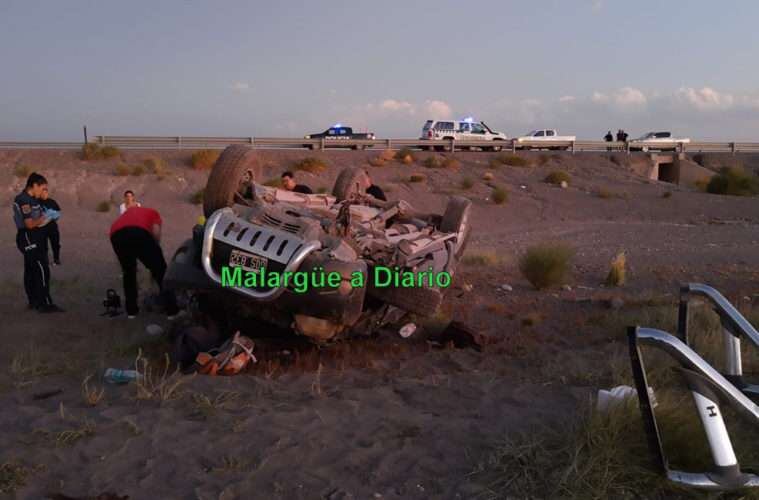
457,219
226,176
349,182
496,148
418,300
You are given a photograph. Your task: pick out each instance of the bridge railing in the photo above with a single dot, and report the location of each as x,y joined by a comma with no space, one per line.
200,142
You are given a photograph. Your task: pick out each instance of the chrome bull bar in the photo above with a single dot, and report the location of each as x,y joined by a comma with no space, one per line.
271,243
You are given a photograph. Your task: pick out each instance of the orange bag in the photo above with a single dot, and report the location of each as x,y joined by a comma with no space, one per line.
229,359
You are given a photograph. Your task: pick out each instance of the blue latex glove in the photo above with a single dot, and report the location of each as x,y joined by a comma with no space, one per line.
52,214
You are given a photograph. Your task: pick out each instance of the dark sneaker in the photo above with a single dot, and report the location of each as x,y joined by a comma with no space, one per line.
50,308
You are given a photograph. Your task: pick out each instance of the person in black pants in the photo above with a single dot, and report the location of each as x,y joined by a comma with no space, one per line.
52,234
30,221
135,236
374,189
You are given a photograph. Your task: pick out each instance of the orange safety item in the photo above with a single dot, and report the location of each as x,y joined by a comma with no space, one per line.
229,359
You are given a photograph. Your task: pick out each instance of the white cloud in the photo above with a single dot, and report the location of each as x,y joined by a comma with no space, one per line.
629,97
599,98
240,86
597,5
437,109
567,98
704,99
397,106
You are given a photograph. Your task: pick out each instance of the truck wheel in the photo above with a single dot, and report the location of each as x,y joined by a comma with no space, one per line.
456,219
352,180
496,148
237,168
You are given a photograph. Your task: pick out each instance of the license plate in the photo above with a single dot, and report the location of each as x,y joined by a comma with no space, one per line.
247,261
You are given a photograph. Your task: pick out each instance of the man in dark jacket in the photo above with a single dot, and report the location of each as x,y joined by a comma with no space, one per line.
52,234
288,182
374,189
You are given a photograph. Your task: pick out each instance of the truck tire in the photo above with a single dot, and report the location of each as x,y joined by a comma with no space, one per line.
226,175
456,219
497,148
418,300
349,182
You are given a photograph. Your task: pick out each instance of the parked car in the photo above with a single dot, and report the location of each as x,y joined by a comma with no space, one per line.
547,138
657,141
253,227
339,133
463,131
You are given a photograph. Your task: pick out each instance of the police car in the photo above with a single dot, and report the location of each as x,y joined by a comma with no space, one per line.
462,130
338,133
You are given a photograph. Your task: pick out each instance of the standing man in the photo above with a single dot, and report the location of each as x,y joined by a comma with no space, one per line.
136,235
31,242
288,182
52,234
129,201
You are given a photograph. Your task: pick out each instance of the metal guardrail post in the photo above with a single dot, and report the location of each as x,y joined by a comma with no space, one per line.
573,147
627,147
513,146
321,144
732,147
251,141
453,145
179,142
389,145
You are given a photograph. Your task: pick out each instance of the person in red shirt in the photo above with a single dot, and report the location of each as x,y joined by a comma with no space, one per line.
136,235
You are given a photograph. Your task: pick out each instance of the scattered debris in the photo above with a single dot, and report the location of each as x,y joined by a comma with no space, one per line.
407,330
116,376
619,394
467,287
506,288
566,288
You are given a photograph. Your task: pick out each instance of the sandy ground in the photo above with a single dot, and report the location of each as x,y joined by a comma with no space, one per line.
402,420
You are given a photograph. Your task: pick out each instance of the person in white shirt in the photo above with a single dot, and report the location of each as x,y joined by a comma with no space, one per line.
129,201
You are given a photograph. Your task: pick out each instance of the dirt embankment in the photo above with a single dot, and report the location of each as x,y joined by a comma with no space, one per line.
403,421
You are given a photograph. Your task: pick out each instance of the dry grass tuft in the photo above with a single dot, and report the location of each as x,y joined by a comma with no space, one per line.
616,276
22,170
155,165
467,183
93,151
405,156
511,160
197,197
122,170
138,170
157,383
417,178
311,164
451,163
13,475
91,395
557,177
433,162
499,195
546,265
484,258
204,159
667,194
734,181
487,177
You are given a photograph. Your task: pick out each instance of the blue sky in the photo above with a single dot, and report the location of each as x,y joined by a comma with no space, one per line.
253,68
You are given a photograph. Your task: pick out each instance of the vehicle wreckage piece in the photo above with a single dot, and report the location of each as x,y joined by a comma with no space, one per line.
708,388
250,227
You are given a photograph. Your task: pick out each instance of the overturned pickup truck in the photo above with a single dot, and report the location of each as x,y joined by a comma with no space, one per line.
262,232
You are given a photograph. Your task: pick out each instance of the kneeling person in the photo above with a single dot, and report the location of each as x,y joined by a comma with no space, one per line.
135,235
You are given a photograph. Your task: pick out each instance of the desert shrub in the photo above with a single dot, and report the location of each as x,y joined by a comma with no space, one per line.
487,176
667,194
21,170
433,162
486,258
500,195
204,158
379,161
546,265
734,181
275,182
604,193
197,197
616,276
417,178
91,151
701,184
122,170
103,206
405,155
467,183
155,165
512,160
110,152
557,177
138,170
451,163
310,164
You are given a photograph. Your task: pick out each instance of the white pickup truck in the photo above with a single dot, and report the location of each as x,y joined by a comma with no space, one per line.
657,141
544,138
